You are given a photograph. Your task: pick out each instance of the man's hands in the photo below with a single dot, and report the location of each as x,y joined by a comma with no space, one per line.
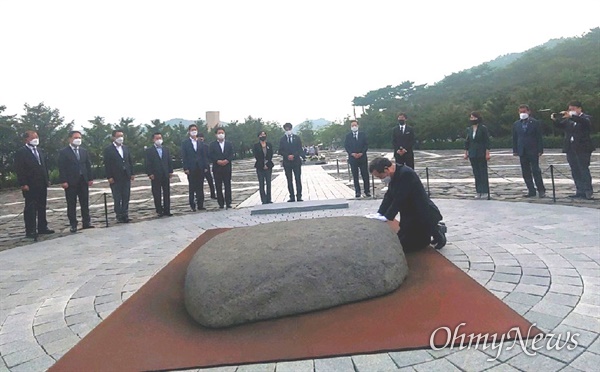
64,185
25,188
356,155
223,162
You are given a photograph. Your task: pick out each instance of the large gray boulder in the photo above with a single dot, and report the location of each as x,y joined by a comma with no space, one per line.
284,268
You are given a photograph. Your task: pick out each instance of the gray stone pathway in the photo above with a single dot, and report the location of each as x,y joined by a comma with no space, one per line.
542,260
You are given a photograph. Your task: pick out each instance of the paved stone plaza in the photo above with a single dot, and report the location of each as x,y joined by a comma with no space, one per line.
542,259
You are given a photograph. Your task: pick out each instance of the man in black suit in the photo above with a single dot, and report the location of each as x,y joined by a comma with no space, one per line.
119,172
356,146
528,145
75,177
207,172
220,153
195,162
578,146
419,217
32,175
403,141
159,168
290,148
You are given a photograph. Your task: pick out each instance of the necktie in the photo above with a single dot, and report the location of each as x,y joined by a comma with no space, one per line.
37,155
356,136
159,149
290,139
77,153
402,129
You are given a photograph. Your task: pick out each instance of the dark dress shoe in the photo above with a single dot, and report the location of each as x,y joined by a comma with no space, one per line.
529,195
31,235
46,232
160,214
368,195
221,206
576,196
201,208
89,227
73,229
228,206
299,199
168,214
542,194
291,200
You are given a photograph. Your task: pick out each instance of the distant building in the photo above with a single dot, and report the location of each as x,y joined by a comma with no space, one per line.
212,119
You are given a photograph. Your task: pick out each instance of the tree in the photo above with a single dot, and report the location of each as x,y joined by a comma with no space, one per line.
306,133
10,140
96,138
50,126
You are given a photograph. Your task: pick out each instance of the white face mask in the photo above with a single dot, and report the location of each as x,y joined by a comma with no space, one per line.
354,128
158,142
77,142
523,115
288,132
221,136
573,113
34,142
193,133
119,140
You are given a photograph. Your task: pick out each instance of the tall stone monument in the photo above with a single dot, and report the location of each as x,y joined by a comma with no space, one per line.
212,119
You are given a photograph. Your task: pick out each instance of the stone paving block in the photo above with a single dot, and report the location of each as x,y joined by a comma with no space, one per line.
436,365
64,345
263,367
53,336
543,321
586,362
500,294
566,272
49,318
524,298
218,369
507,278
472,360
22,356
561,299
509,269
341,364
536,280
17,345
589,310
583,321
581,337
38,364
373,362
570,280
536,271
539,362
503,368
47,327
409,358
532,289
296,366
562,354
482,266
550,308
595,346
500,286
519,308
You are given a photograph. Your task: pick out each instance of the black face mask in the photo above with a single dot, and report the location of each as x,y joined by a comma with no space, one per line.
401,122
263,138
473,121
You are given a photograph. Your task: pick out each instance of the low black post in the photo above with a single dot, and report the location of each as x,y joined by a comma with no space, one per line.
427,175
337,163
487,175
105,210
349,173
553,188
373,186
